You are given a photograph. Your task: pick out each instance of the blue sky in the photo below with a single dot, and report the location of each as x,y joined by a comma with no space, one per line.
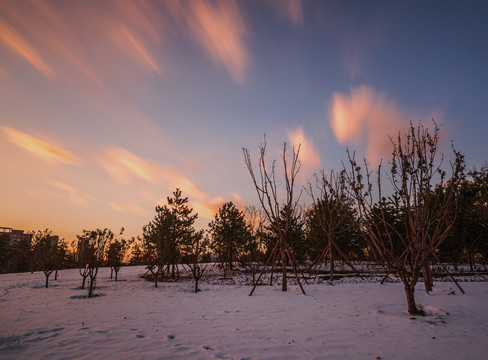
107,106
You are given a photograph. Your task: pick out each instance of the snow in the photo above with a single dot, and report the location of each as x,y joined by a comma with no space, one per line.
130,319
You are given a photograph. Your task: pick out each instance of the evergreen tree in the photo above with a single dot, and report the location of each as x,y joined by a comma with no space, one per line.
294,237
229,232
163,236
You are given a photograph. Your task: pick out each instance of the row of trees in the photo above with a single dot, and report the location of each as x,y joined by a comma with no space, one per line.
415,223
427,215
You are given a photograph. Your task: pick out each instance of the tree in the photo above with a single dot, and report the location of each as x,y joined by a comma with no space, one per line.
45,247
94,243
115,254
136,252
252,252
5,252
415,167
269,196
332,220
173,223
193,246
61,255
229,233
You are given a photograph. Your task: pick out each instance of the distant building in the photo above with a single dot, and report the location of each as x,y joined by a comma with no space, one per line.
16,235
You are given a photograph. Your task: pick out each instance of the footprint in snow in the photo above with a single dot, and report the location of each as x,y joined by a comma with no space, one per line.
170,337
141,336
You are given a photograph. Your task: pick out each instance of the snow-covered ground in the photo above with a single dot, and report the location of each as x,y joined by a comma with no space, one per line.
133,320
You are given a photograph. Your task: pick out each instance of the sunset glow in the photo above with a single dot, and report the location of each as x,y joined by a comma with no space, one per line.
106,107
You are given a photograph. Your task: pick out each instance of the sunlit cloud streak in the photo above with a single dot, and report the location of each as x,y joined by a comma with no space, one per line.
23,48
128,42
220,29
309,156
367,117
124,166
129,208
41,148
73,193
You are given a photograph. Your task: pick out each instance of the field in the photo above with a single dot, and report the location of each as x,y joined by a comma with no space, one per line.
130,319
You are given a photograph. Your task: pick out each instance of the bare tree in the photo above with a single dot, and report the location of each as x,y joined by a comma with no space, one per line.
45,252
415,167
333,212
271,199
252,256
95,242
193,247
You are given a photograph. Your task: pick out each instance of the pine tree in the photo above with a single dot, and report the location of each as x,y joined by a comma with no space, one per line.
173,223
229,232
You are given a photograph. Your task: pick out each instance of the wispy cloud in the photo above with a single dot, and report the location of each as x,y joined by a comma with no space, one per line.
124,166
43,149
74,194
220,29
309,156
290,10
129,208
128,42
24,49
368,117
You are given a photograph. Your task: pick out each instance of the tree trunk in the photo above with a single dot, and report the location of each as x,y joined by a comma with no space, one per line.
111,272
83,283
427,275
410,293
196,285
47,279
56,275
283,266
116,273
90,289
471,261
331,263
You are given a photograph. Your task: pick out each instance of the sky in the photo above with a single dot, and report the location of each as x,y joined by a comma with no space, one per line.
107,106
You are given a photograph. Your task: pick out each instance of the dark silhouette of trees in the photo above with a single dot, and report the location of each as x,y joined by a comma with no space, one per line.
468,238
115,254
415,169
229,233
46,254
6,253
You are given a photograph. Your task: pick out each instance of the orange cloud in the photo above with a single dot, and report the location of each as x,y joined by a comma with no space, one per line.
366,116
309,156
73,193
133,46
143,15
220,29
42,149
129,208
122,165
24,49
